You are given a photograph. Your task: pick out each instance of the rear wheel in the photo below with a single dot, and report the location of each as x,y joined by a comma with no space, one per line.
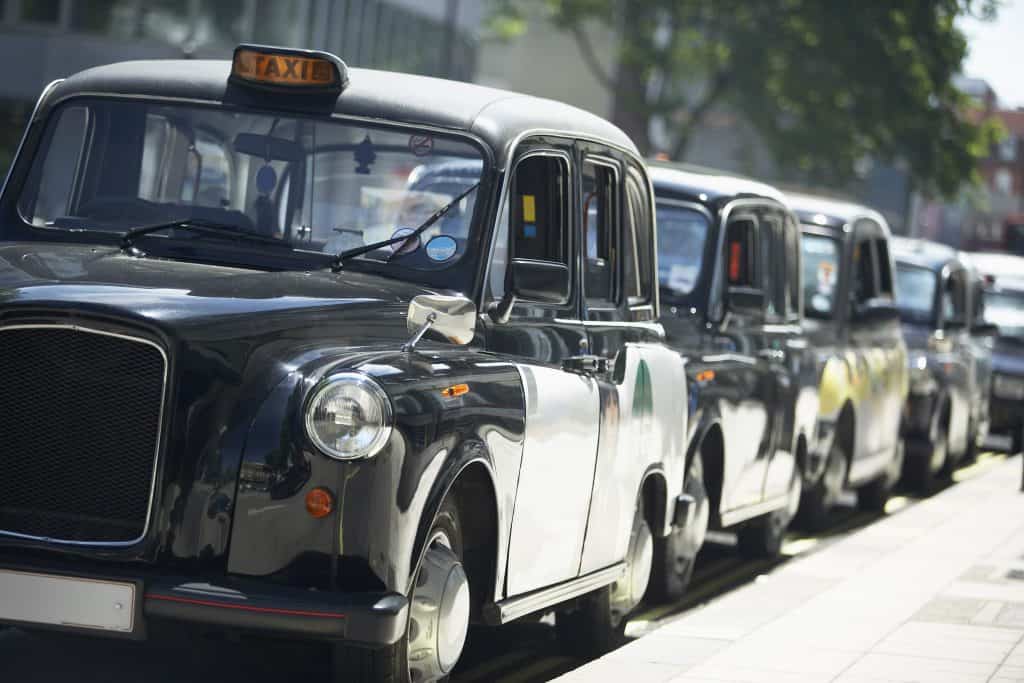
676,554
818,500
926,458
1017,444
598,622
873,496
439,610
762,537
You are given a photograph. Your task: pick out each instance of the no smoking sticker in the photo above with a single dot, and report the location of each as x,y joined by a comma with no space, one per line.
421,145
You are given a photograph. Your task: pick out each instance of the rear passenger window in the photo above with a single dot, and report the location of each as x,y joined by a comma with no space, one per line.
793,304
599,211
773,256
740,254
885,288
639,247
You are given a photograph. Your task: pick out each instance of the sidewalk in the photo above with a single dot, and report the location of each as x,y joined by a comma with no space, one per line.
932,593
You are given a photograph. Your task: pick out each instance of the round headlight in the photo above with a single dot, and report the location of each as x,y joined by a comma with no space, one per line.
349,416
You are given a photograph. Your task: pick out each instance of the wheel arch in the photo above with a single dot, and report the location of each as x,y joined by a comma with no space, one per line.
469,477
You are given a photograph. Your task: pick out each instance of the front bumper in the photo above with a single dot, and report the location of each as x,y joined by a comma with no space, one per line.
372,619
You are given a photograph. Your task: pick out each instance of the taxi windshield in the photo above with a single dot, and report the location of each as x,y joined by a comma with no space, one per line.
682,236
915,293
313,185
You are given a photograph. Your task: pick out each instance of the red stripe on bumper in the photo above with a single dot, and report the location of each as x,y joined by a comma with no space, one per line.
246,608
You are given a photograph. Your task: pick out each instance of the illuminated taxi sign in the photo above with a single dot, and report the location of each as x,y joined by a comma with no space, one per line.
288,69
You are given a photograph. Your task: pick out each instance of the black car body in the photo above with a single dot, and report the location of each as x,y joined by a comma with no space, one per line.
946,416
252,432
729,273
1003,299
860,356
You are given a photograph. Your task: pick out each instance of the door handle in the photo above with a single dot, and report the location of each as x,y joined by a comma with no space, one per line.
586,365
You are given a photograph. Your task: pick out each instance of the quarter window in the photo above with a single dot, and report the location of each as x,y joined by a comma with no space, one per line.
639,247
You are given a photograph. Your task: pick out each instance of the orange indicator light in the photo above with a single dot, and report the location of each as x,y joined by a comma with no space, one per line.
319,503
455,390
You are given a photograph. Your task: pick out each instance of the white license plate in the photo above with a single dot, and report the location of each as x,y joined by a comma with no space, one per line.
62,601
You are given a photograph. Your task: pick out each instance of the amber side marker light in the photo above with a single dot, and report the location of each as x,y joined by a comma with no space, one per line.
319,503
455,390
285,69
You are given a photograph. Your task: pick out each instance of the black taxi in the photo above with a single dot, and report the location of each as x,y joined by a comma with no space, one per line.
330,353
729,278
946,419
859,353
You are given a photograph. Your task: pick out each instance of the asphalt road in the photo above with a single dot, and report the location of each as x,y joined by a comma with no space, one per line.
518,653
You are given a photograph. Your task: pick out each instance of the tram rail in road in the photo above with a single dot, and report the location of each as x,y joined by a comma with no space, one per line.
520,653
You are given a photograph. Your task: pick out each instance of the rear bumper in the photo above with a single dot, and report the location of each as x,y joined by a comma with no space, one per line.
370,619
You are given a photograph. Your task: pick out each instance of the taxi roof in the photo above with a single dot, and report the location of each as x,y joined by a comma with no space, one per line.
496,116
829,213
1007,269
927,254
694,181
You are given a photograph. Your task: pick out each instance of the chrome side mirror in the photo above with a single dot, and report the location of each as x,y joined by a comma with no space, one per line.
453,317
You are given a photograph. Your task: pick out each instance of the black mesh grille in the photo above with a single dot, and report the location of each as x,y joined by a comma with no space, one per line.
80,416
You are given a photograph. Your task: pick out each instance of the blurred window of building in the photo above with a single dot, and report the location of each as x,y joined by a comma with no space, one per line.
1003,181
13,115
1008,148
279,22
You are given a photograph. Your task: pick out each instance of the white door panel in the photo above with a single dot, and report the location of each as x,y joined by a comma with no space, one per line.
644,424
555,479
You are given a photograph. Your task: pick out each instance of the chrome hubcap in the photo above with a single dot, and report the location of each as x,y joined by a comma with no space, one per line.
438,614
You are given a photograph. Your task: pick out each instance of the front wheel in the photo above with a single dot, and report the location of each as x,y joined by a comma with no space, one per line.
597,624
676,554
439,610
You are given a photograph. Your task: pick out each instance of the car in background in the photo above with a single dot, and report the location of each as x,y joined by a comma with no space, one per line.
860,358
729,281
1004,307
946,414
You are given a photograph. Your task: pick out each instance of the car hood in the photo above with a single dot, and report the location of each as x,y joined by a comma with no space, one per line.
186,299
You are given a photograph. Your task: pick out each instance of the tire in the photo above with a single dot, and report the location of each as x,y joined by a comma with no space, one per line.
971,454
1017,441
762,537
818,500
873,496
676,554
598,622
390,664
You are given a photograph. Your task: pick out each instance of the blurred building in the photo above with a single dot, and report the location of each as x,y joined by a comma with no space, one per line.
49,39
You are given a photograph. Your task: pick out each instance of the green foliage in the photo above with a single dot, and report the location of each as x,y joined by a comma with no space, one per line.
824,83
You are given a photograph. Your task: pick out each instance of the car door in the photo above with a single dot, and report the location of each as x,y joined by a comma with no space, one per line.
959,365
744,373
785,348
640,380
556,470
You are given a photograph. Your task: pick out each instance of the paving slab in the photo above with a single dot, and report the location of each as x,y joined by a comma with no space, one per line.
932,593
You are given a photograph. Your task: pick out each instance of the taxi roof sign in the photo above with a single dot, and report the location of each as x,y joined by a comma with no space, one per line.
288,69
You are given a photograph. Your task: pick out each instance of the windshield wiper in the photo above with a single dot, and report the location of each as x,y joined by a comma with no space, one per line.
198,225
419,230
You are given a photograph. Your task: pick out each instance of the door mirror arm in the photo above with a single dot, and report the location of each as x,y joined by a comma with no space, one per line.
500,311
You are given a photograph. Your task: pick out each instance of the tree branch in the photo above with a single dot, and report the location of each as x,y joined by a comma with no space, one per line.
590,57
716,88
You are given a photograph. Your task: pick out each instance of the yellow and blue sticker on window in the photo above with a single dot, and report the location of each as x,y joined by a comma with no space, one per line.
529,216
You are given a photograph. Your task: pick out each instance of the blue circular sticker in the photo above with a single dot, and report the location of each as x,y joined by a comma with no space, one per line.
266,179
441,248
